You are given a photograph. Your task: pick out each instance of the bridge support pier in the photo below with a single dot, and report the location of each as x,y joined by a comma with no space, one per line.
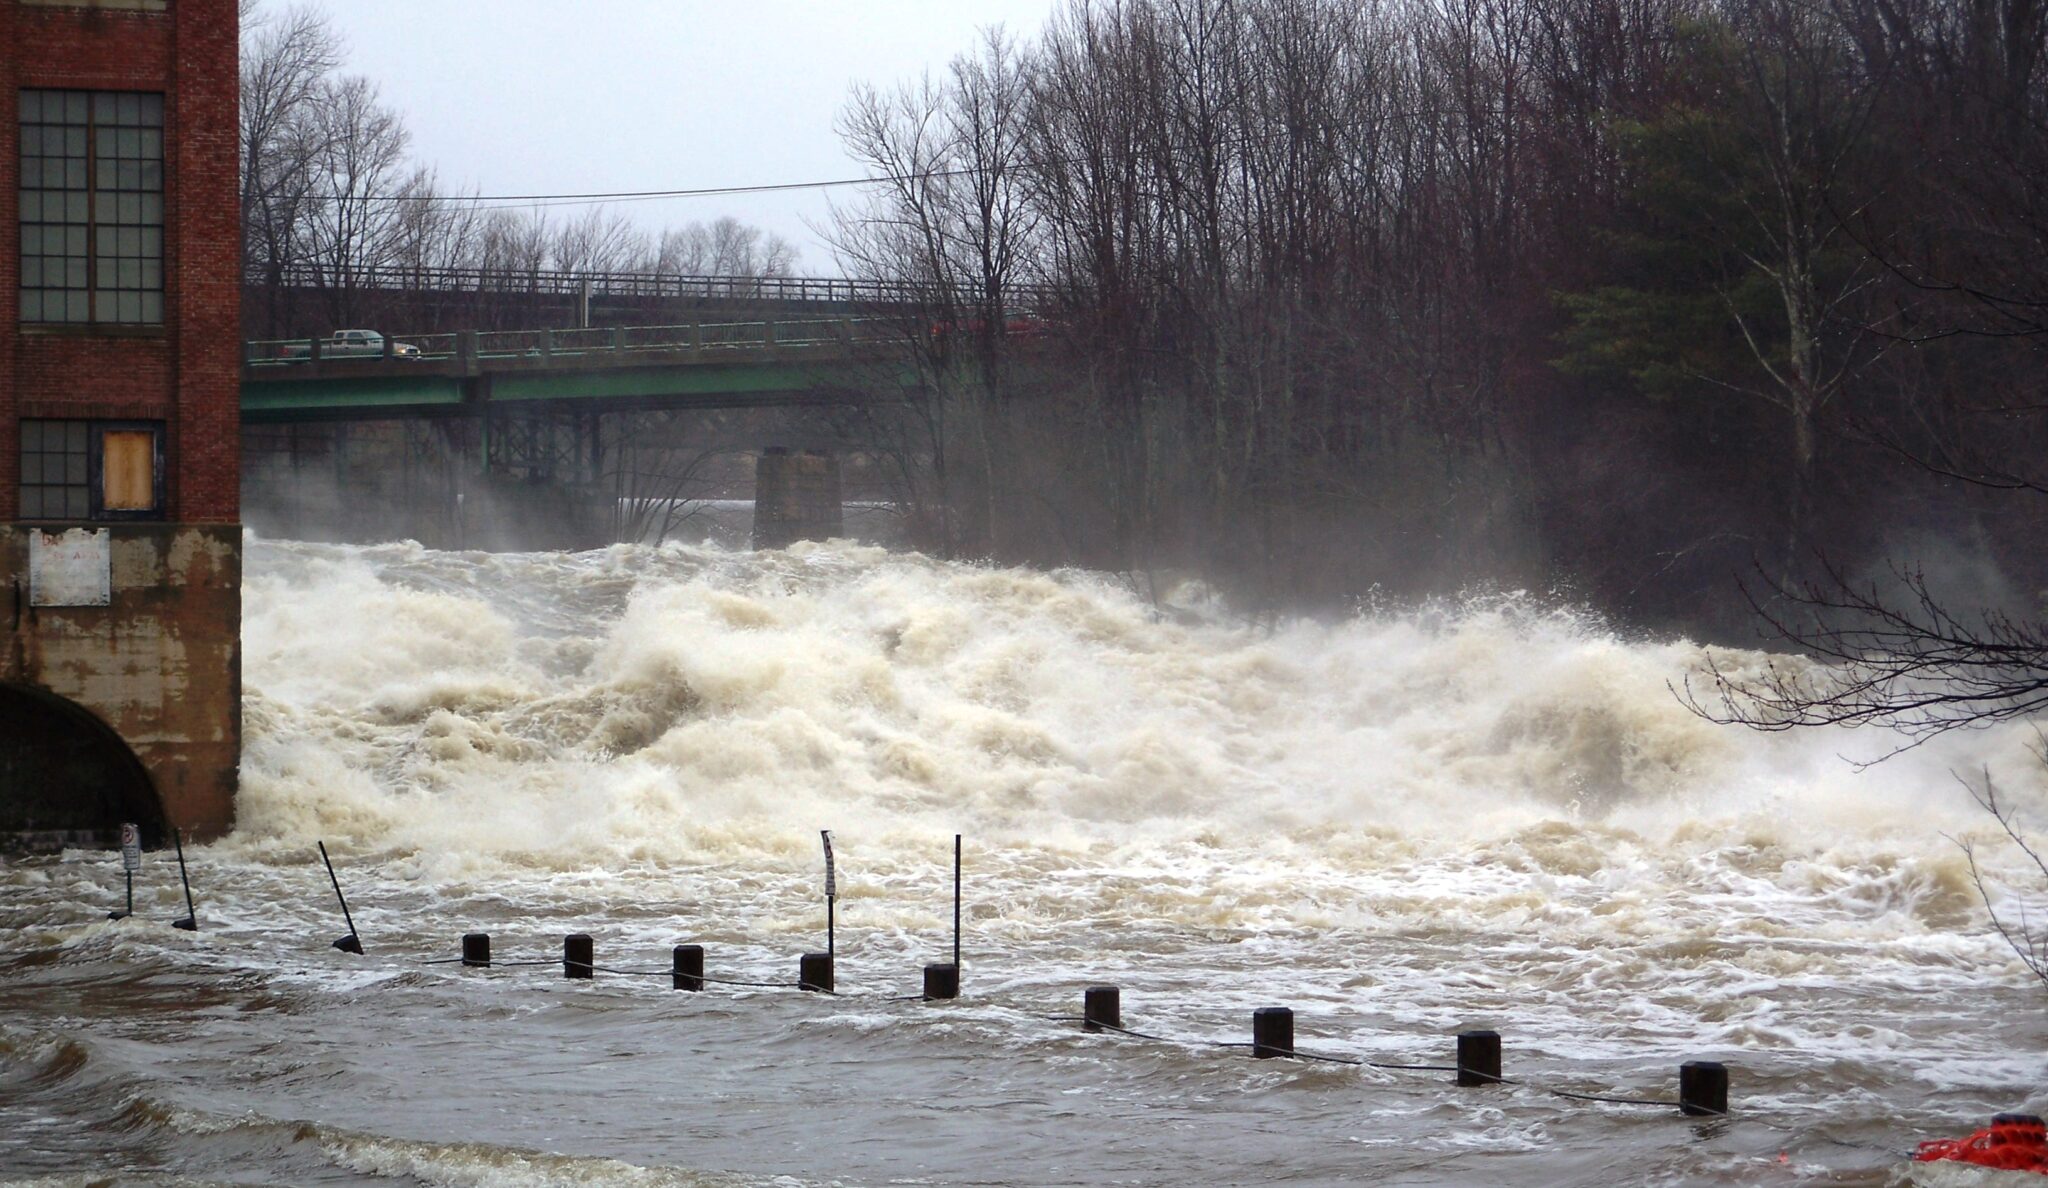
796,497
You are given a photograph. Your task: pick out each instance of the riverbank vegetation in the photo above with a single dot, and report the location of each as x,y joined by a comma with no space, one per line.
1616,300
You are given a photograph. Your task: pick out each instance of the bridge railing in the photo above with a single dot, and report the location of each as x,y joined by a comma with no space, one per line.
692,337
821,289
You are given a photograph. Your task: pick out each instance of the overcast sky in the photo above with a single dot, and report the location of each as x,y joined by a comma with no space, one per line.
541,96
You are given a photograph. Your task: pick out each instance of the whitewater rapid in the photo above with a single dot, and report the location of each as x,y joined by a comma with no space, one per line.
698,705
1489,812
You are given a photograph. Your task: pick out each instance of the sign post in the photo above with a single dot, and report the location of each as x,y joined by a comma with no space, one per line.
131,861
831,892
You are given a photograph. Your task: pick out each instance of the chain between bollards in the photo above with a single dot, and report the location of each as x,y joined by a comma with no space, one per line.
1703,1084
579,962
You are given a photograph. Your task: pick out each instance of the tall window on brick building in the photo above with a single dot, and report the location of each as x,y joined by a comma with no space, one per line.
92,207
91,470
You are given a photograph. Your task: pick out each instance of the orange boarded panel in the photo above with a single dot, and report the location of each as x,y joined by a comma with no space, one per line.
128,470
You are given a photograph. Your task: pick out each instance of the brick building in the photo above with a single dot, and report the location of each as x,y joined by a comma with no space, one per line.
120,547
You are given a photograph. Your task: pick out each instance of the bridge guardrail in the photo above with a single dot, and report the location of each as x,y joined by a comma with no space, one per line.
682,286
692,337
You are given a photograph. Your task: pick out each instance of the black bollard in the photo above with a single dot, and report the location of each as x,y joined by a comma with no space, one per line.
1101,1006
689,967
1478,1058
942,980
1703,1088
578,955
814,972
1272,1032
476,949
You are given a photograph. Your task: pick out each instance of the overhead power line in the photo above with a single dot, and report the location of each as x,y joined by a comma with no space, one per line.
516,200
510,201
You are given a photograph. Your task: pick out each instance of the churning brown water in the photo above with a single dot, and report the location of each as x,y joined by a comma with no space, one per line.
1402,825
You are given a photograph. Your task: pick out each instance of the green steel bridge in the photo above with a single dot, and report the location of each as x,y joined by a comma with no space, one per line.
481,375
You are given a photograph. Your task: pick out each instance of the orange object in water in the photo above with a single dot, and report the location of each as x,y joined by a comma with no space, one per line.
2013,1142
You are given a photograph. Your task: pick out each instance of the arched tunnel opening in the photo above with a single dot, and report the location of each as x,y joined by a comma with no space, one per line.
66,778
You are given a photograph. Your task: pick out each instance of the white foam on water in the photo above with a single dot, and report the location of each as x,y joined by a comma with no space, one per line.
634,702
1403,823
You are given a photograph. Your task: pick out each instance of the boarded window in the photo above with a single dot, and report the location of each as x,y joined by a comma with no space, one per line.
128,470
91,470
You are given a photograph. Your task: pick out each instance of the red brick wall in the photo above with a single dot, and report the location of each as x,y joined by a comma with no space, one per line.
187,375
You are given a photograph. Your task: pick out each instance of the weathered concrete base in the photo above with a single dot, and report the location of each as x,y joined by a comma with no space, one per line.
796,497
161,665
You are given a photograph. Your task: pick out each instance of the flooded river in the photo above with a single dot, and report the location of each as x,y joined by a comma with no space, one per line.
1485,814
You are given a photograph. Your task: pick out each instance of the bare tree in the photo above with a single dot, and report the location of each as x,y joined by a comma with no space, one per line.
287,59
600,242
1798,130
362,181
2026,934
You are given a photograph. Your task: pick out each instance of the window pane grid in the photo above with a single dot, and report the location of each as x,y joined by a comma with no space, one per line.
55,477
92,208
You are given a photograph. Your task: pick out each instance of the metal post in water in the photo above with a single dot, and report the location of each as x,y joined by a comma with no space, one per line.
578,956
1703,1088
476,950
1478,1058
956,905
191,921
352,943
1101,1006
1272,1032
831,894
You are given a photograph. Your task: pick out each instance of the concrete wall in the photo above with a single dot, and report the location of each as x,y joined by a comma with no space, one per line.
796,497
161,664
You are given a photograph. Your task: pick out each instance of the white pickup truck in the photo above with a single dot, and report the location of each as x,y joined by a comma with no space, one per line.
351,344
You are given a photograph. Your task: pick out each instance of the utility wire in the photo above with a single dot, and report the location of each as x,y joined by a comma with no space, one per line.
514,201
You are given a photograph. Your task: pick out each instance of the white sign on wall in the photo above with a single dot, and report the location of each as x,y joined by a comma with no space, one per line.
70,568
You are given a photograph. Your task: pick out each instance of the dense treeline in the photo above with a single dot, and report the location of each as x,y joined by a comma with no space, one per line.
1615,297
